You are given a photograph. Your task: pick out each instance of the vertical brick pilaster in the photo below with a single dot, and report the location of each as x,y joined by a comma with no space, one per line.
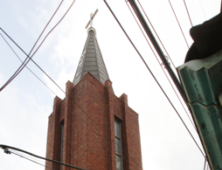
68,125
53,137
110,126
124,132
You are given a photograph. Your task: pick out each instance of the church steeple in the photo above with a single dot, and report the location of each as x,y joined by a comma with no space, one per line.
106,140
91,59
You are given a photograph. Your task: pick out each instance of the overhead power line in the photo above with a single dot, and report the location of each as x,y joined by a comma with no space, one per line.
188,13
29,57
27,159
27,66
161,67
205,162
155,32
37,66
203,9
154,77
40,161
157,47
25,62
179,24
7,151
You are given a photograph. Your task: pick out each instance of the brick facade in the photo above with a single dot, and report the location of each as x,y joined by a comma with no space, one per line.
88,111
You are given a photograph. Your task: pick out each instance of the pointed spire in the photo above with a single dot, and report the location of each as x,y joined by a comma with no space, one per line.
91,60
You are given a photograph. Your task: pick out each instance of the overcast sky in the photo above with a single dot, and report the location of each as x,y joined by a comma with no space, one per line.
26,103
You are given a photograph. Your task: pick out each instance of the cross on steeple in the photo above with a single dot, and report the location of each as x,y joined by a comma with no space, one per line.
91,19
91,59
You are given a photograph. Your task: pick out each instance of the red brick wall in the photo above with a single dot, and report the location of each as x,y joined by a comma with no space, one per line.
53,139
88,112
133,139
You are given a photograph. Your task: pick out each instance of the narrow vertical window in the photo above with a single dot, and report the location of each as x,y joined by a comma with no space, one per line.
119,161
61,146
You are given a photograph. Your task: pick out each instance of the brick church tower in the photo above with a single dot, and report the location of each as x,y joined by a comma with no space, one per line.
91,128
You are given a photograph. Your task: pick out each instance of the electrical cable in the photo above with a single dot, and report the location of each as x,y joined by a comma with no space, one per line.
178,23
188,12
44,37
208,167
202,9
53,28
155,32
156,56
27,66
28,159
205,160
154,77
161,66
157,47
24,62
37,65
36,159
158,50
6,147
32,160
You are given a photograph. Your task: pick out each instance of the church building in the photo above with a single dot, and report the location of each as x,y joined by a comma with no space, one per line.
91,128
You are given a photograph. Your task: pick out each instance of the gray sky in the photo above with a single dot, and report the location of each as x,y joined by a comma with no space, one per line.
26,103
